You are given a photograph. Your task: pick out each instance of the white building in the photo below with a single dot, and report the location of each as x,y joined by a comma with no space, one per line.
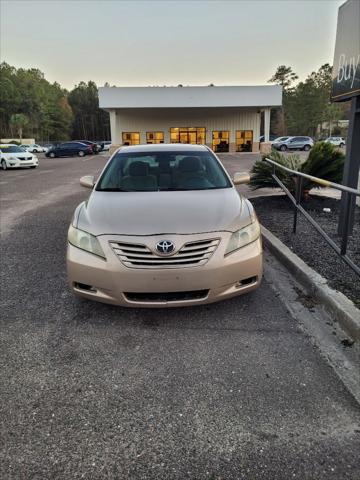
224,118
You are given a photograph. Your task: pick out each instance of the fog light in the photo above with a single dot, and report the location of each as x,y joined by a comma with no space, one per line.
83,286
246,281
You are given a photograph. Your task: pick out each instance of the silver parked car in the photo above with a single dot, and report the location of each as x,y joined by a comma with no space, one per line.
293,143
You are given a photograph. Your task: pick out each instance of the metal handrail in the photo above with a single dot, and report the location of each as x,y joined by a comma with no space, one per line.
349,192
320,181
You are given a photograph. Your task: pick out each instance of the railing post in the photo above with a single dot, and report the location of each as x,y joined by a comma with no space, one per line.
347,212
298,188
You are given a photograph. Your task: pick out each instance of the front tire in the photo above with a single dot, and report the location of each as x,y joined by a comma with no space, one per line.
283,148
52,155
3,165
81,153
342,145
306,148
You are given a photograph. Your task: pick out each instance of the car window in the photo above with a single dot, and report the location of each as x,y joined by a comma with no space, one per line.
11,149
160,171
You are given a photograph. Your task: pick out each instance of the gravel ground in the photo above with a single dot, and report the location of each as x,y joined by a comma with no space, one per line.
276,214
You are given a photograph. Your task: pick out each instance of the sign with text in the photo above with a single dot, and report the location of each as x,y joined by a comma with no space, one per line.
346,69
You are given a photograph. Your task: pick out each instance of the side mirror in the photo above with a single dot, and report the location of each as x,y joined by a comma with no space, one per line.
241,177
88,181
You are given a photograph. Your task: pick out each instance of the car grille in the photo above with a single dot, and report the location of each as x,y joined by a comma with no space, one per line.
166,296
140,256
24,158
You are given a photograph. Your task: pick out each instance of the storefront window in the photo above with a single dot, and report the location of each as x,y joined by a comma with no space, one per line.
131,138
244,140
154,137
192,135
220,141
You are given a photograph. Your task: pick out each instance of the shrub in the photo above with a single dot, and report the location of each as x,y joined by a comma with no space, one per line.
261,171
324,161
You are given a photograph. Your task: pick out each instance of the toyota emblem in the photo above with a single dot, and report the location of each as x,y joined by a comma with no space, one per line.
165,247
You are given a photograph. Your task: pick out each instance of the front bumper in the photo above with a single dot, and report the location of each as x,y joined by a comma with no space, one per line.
110,281
22,163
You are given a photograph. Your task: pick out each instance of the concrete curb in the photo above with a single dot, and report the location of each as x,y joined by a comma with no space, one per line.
337,304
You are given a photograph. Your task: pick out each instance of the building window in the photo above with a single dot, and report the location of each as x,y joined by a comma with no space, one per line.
154,137
130,138
192,135
220,141
244,140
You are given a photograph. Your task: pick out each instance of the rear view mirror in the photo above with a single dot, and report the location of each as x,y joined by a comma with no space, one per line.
88,181
241,177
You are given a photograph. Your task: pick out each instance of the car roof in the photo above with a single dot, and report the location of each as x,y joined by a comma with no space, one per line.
163,147
9,145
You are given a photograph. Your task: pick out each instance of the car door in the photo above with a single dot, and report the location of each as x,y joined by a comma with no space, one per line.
293,143
62,150
75,147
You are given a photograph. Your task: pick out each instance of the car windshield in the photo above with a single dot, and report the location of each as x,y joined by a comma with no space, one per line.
11,149
160,171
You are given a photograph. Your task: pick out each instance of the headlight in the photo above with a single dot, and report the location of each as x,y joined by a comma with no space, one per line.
14,158
243,237
85,241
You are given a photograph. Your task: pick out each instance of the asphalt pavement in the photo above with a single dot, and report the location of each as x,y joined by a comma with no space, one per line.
234,390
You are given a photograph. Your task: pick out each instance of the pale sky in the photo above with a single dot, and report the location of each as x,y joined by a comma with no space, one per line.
192,42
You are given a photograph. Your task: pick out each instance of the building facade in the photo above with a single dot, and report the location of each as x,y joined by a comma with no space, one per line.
227,119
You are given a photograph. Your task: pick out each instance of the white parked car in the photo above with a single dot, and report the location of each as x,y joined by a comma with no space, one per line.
13,156
34,148
106,146
337,141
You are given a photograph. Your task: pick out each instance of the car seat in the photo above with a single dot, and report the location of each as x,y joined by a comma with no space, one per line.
138,178
191,174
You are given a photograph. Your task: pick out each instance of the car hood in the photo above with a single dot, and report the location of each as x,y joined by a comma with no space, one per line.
151,213
18,154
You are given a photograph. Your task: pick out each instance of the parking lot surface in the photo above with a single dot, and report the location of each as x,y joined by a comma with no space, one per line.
233,390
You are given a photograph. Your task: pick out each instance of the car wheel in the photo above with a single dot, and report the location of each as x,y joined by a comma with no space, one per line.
283,148
306,148
342,145
34,151
81,153
3,165
52,155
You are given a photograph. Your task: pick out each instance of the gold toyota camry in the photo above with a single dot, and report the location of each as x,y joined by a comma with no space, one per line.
164,226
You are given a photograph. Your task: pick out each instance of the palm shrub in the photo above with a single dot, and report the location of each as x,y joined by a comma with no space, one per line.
324,161
261,171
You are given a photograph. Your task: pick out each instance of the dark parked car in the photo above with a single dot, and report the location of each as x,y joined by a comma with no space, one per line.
95,147
70,149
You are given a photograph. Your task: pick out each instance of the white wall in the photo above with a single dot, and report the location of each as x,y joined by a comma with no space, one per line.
198,97
147,120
